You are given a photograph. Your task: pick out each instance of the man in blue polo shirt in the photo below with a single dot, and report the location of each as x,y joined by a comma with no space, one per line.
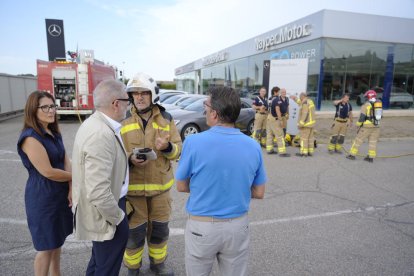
222,169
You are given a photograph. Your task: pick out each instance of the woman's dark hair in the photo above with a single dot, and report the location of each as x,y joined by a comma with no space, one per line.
30,113
275,89
226,102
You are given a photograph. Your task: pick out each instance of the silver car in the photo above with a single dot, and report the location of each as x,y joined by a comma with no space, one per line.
180,101
191,119
398,97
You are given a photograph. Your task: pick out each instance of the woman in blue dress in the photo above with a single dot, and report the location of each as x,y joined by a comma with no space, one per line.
48,188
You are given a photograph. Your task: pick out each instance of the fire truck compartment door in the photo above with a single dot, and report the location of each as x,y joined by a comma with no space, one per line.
83,87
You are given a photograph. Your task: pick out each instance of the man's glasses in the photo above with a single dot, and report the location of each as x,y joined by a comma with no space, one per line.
123,100
206,104
46,108
142,93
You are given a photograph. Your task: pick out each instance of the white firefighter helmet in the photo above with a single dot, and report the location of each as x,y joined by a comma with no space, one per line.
143,82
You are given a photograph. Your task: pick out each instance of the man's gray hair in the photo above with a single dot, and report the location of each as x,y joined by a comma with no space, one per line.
106,92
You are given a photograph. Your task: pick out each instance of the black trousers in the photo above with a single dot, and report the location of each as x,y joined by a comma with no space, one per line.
107,256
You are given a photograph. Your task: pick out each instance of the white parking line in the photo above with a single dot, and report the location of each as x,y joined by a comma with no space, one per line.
10,160
71,243
7,152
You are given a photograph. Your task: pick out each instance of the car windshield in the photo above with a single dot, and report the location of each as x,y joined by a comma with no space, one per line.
172,99
187,101
196,106
165,96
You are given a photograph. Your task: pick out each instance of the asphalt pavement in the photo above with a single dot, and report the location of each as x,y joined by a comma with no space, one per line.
322,215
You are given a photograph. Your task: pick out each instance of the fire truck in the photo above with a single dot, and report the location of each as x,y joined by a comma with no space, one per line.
72,83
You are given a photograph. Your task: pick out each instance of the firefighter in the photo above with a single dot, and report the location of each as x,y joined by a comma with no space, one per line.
261,106
368,122
284,109
306,122
149,126
342,120
275,93
274,127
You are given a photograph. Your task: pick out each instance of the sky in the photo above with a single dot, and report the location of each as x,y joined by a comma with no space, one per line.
155,36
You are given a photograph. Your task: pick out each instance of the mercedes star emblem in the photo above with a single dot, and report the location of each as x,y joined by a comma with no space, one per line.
54,30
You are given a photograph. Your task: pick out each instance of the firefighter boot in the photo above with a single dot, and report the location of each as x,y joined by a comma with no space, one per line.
161,269
301,154
133,272
350,157
369,159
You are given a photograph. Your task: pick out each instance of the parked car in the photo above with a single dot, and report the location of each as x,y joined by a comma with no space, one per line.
191,119
181,101
398,97
165,94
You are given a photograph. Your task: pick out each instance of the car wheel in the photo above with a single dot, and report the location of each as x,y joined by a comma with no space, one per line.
358,101
250,127
405,105
189,130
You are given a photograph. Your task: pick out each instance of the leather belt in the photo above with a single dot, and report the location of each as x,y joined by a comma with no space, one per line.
211,219
263,113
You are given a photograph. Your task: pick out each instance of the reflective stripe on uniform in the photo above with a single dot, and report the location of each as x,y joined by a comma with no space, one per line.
156,126
129,127
133,259
157,253
151,187
368,114
311,121
174,152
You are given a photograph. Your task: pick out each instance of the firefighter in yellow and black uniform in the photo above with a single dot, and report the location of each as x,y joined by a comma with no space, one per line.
306,122
261,106
371,114
342,120
284,109
274,127
149,126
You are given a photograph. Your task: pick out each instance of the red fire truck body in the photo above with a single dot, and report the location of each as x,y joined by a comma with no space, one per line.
72,83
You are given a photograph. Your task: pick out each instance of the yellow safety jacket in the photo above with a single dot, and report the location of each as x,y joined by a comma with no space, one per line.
157,176
366,118
306,113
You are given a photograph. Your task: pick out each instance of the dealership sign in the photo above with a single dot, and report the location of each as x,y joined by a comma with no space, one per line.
285,34
215,58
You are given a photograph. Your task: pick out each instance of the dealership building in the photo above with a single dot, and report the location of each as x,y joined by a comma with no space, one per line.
347,53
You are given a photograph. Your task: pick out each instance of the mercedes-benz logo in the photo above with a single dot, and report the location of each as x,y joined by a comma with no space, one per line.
54,30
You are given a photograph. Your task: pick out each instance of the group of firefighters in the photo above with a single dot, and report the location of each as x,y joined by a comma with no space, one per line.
272,115
148,125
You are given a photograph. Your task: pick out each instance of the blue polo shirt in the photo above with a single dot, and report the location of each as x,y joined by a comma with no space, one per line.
222,164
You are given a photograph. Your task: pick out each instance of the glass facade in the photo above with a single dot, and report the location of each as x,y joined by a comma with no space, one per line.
187,82
336,66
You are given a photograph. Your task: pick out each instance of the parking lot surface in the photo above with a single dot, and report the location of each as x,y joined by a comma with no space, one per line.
323,215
